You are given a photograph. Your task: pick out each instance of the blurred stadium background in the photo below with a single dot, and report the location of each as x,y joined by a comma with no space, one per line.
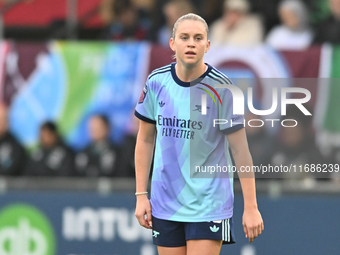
65,61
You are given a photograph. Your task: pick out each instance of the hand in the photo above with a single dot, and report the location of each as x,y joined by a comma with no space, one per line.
252,223
143,207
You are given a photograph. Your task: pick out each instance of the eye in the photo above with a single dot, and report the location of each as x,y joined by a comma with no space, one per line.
184,38
198,38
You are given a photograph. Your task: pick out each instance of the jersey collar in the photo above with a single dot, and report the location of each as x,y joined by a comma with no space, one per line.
188,84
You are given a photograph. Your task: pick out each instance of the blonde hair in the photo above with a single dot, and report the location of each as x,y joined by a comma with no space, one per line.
189,16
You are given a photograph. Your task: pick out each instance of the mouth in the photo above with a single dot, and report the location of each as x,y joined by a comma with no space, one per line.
190,53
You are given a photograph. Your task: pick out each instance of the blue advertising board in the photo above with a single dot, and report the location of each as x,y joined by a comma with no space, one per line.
74,223
82,223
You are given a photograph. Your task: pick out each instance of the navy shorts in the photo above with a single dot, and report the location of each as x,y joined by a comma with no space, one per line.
175,234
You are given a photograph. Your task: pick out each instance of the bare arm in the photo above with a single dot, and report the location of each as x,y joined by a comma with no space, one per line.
143,157
252,220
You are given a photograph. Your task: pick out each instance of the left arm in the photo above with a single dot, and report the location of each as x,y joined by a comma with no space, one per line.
252,221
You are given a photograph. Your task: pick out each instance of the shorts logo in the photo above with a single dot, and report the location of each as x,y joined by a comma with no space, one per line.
143,95
155,233
214,229
161,103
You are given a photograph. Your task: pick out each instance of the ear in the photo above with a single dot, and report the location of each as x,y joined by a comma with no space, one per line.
208,46
172,44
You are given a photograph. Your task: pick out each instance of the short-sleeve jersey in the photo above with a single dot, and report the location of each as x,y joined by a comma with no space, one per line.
190,180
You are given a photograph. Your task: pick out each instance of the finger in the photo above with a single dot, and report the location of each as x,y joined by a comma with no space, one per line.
149,217
251,240
140,219
146,225
251,233
146,222
245,230
262,226
259,230
255,232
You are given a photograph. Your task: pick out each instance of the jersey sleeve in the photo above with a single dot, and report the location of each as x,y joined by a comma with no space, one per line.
145,106
228,121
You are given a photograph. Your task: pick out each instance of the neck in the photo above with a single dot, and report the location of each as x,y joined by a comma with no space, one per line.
188,73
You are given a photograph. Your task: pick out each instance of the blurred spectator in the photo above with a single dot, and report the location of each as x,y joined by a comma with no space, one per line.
294,32
12,154
173,10
268,11
128,23
237,27
146,8
296,146
328,30
52,157
105,11
210,10
147,5
100,157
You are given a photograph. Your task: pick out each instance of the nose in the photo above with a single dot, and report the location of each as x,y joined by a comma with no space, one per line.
191,43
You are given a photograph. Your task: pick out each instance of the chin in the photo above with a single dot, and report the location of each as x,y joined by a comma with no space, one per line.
190,61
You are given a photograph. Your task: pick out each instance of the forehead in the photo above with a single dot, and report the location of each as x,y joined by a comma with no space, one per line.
191,27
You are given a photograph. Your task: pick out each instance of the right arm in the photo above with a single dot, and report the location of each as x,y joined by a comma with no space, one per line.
143,157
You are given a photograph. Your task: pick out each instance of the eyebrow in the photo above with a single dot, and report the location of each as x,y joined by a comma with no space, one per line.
194,35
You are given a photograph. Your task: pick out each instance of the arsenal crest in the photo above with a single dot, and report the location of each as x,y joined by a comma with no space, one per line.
143,95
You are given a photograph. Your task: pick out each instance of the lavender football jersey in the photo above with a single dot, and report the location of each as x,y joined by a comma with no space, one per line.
192,179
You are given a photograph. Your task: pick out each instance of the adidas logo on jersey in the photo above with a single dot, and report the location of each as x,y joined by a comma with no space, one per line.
214,229
161,103
199,108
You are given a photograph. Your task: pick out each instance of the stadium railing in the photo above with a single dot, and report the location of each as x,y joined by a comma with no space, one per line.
110,185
